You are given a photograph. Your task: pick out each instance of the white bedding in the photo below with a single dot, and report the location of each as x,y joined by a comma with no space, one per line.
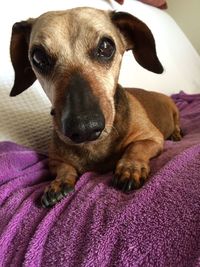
25,119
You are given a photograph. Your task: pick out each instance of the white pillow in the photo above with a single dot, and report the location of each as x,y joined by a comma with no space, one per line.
180,60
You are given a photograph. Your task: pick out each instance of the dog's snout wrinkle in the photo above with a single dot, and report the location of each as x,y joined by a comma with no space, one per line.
79,92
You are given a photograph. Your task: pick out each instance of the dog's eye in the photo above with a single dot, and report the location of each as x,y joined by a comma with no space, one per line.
41,60
105,49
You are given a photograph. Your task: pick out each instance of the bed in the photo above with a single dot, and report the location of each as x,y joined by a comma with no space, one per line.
158,225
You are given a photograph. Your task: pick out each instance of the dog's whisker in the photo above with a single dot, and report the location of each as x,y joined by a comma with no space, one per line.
111,127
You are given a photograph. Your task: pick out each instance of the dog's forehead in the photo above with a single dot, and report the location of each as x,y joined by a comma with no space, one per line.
71,25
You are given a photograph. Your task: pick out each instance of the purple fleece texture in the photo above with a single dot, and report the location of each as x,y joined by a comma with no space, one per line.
158,225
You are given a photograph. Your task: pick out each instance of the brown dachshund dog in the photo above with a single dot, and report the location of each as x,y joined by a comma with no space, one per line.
98,125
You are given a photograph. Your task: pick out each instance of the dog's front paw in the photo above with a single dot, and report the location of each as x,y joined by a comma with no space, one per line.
55,192
130,175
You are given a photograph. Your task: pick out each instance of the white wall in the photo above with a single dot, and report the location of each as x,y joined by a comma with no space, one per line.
187,15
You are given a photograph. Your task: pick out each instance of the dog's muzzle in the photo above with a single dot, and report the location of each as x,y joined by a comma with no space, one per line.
82,119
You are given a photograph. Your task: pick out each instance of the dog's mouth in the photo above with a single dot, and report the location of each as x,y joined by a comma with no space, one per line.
81,129
96,139
93,141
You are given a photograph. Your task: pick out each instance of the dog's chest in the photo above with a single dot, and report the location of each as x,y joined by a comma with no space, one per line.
101,160
100,157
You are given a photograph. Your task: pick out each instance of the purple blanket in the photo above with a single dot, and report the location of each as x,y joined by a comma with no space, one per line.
158,225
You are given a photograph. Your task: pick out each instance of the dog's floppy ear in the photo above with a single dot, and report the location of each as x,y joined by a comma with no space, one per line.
24,75
139,38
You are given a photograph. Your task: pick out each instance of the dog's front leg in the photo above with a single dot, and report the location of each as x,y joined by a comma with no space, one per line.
133,168
66,176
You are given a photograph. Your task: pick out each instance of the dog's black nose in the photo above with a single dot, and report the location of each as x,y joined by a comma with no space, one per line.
83,128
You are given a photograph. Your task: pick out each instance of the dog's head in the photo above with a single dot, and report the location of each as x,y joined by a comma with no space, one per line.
76,56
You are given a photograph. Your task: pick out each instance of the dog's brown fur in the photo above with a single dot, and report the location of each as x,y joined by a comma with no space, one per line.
136,121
